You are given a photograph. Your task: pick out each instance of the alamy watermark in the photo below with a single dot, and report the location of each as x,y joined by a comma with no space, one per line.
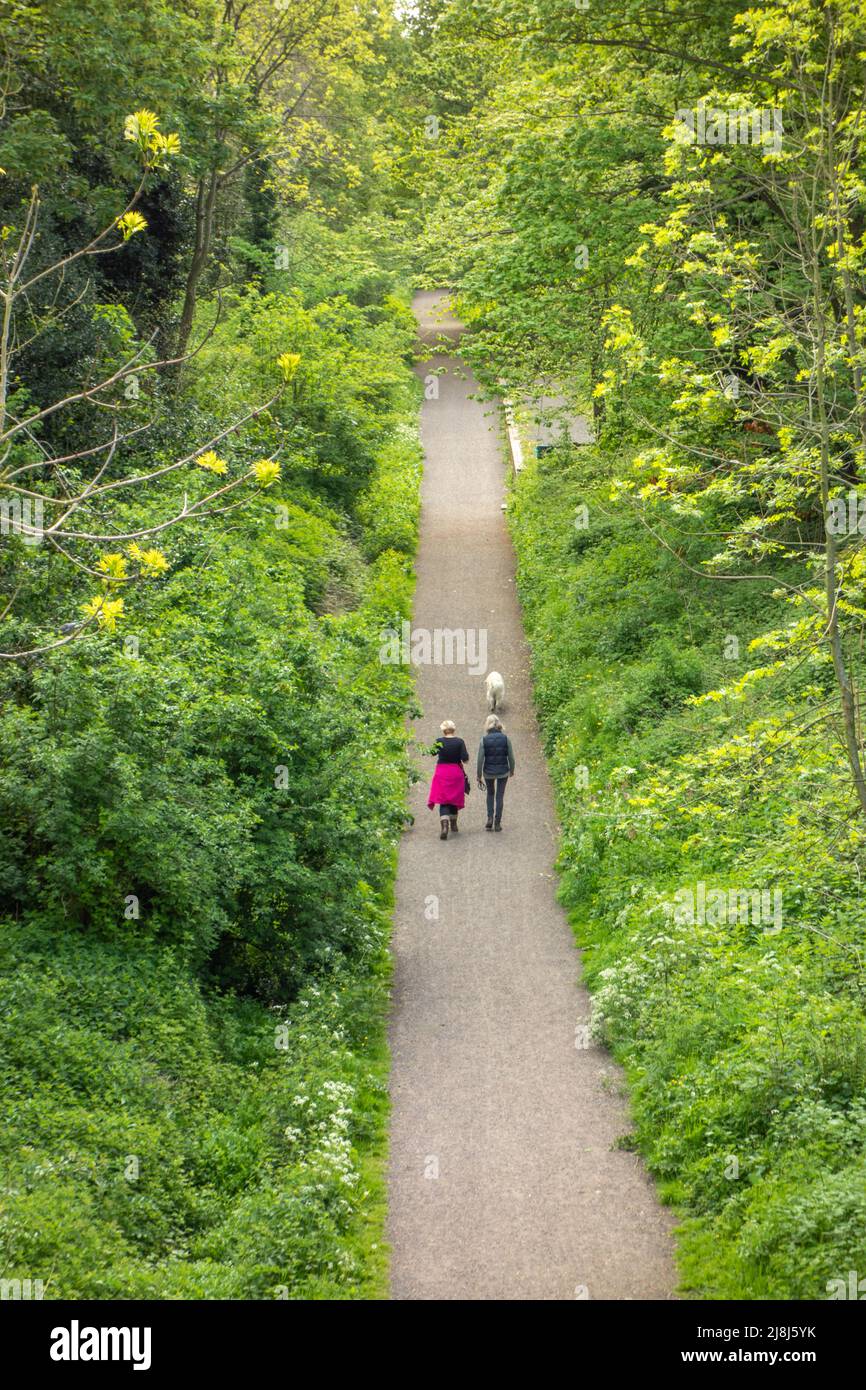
21,1289
851,1288
846,516
701,906
77,1343
708,125
440,646
22,518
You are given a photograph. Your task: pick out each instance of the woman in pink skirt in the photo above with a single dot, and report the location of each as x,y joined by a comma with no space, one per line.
448,788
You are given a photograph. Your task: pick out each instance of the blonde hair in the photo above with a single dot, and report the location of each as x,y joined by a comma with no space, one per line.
448,726
491,722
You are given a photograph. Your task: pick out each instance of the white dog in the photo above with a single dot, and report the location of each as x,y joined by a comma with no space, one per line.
495,691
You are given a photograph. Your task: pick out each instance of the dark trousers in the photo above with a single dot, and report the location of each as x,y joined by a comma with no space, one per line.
446,809
495,788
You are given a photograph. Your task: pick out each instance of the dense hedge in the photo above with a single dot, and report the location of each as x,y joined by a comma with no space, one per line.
745,1045
200,813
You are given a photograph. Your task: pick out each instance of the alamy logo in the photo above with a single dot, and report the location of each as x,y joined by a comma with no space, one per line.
443,646
77,1343
726,906
854,1287
21,1288
709,126
22,519
846,516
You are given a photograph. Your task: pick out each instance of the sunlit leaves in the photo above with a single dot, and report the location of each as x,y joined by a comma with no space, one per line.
152,563
141,128
212,463
266,472
288,363
106,611
112,566
130,223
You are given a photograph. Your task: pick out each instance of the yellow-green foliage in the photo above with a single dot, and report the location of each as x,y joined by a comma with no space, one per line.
744,1040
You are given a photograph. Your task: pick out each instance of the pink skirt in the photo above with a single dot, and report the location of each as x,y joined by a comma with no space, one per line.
447,787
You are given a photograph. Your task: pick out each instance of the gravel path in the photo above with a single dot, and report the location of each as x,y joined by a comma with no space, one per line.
504,1182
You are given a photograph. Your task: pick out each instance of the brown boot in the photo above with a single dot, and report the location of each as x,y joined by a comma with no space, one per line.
443,827
454,826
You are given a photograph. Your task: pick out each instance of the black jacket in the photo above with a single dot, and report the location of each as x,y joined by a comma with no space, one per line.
451,750
495,755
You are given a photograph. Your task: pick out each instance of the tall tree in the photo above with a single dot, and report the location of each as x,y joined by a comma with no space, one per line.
271,68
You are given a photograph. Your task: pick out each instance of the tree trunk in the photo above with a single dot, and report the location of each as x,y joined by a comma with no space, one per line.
834,636
204,213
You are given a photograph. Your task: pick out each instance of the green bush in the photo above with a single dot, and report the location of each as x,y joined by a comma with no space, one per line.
164,1141
745,1047
200,814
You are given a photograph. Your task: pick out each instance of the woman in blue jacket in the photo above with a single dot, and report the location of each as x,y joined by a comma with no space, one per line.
495,764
